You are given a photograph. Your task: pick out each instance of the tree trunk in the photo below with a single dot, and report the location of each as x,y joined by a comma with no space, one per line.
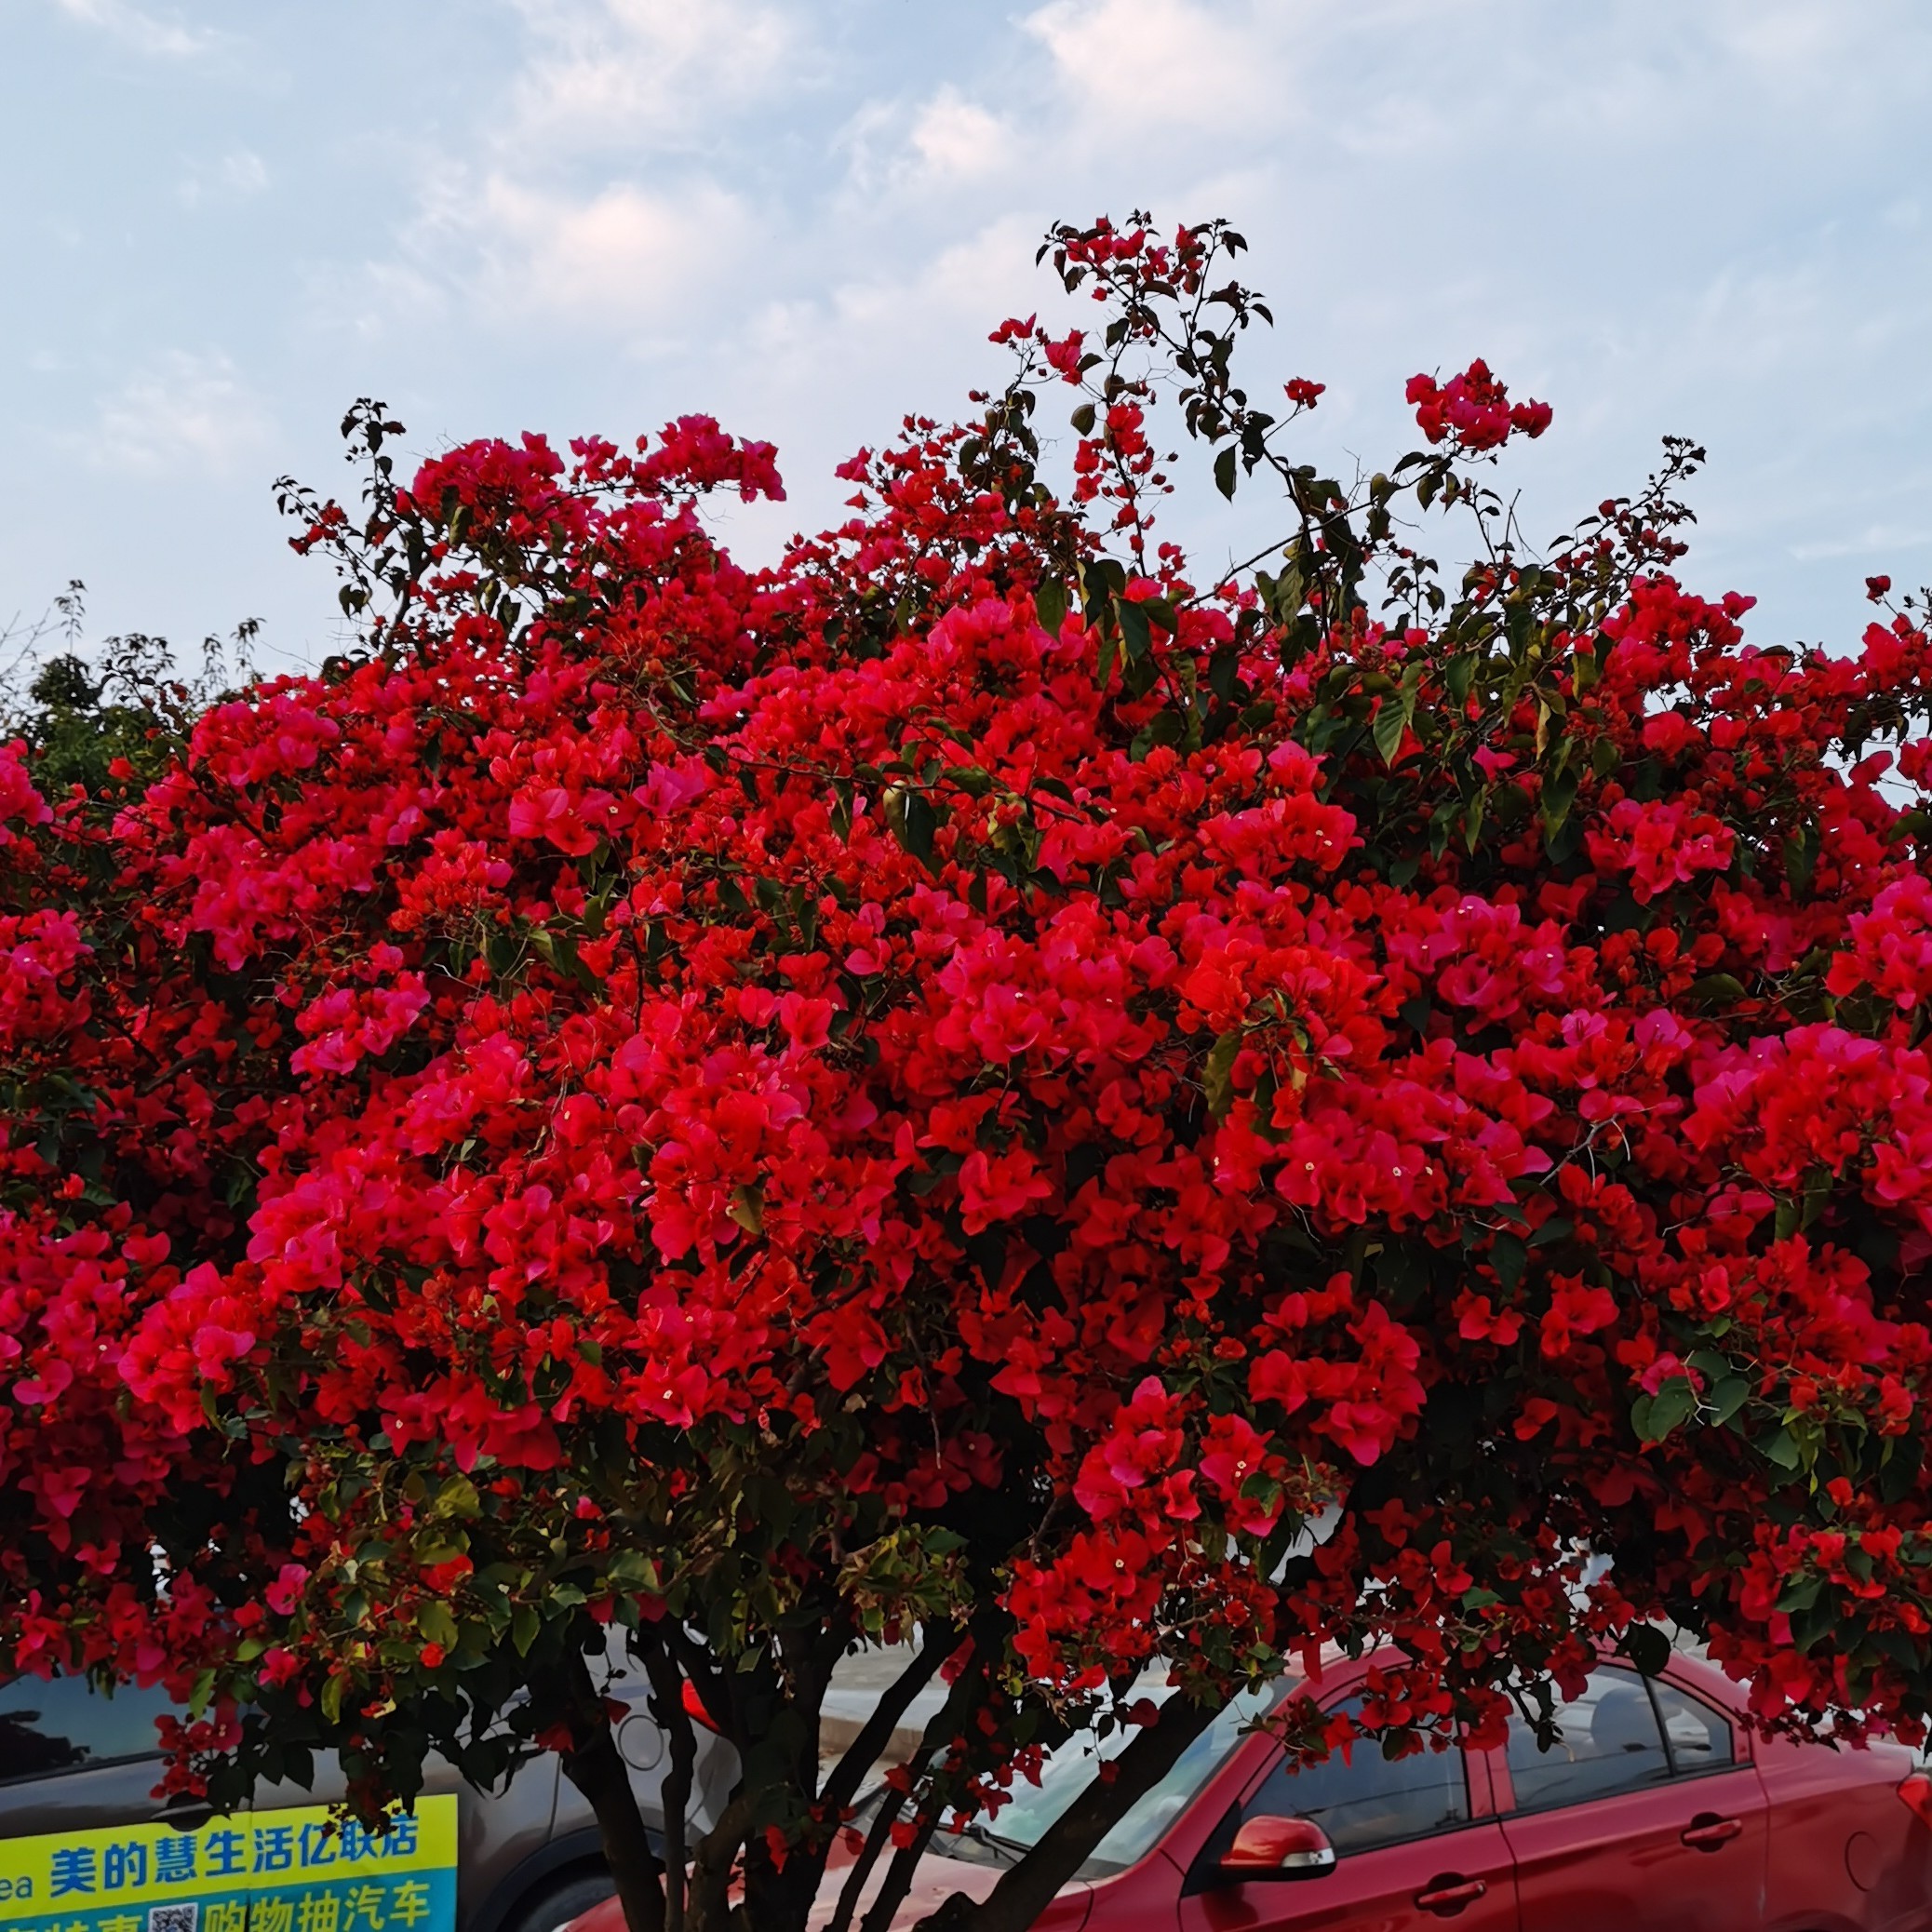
1026,1890
598,1771
711,1867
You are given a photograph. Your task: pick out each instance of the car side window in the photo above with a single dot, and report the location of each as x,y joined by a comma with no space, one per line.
1607,1741
1698,1738
1364,1800
51,1725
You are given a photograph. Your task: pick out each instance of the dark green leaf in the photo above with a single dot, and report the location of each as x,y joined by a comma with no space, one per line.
1648,1648
1050,604
1388,727
1135,635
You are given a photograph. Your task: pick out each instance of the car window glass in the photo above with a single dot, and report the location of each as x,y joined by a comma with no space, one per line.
64,1724
1607,1741
1364,1800
1696,1737
1070,1767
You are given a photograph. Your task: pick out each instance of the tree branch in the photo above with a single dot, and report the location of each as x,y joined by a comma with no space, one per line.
667,1706
1026,1889
862,1752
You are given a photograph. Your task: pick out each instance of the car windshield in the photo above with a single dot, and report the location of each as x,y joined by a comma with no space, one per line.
1071,1768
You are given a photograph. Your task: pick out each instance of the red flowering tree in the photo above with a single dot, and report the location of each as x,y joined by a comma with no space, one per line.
972,1085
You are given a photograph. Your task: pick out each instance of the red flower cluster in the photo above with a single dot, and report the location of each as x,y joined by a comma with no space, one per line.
1474,408
958,1082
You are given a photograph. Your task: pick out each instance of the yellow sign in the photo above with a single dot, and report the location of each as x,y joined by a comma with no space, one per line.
299,1870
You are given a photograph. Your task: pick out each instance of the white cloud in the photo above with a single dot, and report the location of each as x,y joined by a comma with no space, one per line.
956,138
598,196
1156,64
144,32
180,413
894,151
611,262
644,73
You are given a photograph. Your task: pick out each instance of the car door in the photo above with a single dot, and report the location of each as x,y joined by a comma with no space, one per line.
1415,1848
1642,1812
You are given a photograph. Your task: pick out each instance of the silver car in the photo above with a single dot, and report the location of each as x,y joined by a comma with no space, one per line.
73,1759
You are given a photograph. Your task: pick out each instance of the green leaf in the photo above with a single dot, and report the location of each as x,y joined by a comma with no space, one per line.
1472,822
1224,472
1135,633
1717,990
458,1498
1391,721
524,1626
1217,1077
1104,668
1663,1412
1508,1257
436,1624
1801,1593
1727,1397
1050,605
1800,859
1812,1625
631,1569
1559,795
921,822
1082,419
970,778
748,1209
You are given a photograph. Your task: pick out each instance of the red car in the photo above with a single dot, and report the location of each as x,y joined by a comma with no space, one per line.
1655,1812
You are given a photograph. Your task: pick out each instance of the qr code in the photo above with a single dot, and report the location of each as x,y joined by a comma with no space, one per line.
173,1918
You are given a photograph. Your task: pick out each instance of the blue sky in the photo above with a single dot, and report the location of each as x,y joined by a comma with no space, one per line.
223,223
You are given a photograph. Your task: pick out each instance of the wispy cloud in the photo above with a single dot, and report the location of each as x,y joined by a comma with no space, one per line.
145,33
639,74
238,176
610,260
180,413
1171,58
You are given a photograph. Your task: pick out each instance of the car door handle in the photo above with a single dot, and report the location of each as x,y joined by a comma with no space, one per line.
1707,1831
1449,1894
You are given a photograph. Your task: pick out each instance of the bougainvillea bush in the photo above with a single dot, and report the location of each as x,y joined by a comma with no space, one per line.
978,1086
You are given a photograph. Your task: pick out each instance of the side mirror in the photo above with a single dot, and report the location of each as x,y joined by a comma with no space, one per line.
1277,1847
